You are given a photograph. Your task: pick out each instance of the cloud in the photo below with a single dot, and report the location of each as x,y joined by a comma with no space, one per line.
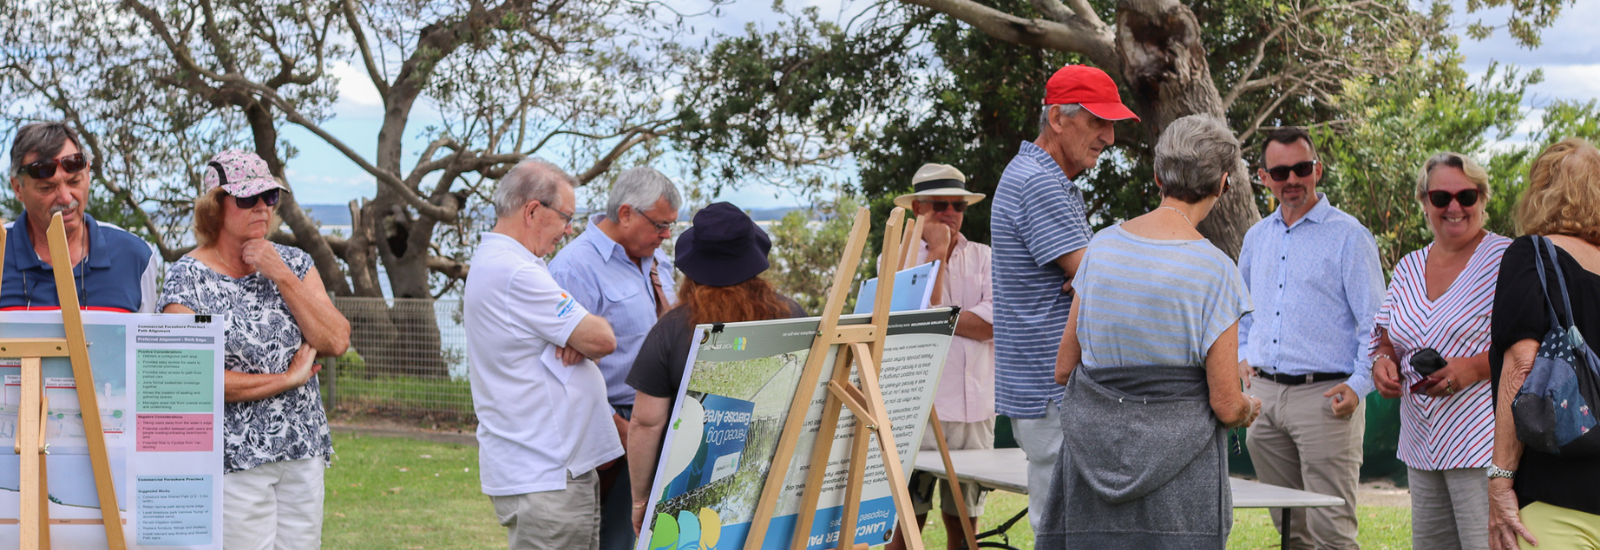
355,89
1571,82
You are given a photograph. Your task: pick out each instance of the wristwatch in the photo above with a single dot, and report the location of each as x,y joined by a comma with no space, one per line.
1496,471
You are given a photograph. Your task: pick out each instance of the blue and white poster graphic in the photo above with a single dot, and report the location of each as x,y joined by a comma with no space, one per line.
729,415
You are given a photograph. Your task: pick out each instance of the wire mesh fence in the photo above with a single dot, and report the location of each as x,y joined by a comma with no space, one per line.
407,359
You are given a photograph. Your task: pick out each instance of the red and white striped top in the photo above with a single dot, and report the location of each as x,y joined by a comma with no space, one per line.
1438,433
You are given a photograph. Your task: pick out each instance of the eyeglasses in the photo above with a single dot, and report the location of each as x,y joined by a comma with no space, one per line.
565,217
269,196
1301,169
660,226
939,206
46,168
1441,199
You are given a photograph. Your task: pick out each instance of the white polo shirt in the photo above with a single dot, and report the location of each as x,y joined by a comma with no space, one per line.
538,420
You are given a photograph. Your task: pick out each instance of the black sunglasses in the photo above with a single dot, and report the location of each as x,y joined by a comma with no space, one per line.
269,196
939,206
1301,169
1441,199
46,168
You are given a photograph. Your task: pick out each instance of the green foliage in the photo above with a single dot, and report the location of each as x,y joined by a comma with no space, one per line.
1396,124
805,252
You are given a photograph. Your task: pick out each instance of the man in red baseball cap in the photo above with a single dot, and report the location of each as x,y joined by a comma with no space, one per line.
1040,229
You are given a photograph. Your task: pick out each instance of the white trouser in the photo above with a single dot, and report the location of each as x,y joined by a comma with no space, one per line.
274,506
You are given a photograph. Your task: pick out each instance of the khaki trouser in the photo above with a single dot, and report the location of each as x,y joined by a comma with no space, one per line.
1298,443
1449,509
1040,440
553,520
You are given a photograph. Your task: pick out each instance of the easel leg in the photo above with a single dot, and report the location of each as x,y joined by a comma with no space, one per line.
852,492
819,453
890,453
955,481
30,437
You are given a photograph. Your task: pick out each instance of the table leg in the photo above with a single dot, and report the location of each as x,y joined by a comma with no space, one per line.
1283,541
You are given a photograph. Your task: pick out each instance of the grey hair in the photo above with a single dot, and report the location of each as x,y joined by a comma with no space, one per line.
640,187
1192,156
1475,173
44,138
530,180
1068,109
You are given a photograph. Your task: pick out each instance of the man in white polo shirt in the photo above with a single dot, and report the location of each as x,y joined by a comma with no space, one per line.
544,426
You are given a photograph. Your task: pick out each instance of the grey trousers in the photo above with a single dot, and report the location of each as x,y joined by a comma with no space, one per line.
1449,509
553,520
1040,439
1298,443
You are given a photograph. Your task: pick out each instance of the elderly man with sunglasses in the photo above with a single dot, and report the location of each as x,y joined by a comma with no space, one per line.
1317,286
113,269
616,269
965,398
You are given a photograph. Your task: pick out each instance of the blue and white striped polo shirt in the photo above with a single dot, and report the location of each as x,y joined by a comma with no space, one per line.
1038,216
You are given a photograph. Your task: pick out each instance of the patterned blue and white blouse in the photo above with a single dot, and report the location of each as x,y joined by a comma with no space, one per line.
262,338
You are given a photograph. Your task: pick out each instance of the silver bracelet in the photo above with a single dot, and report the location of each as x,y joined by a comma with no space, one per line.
1496,471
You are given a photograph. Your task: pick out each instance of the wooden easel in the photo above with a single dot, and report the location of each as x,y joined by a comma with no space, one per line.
909,240
861,349
30,437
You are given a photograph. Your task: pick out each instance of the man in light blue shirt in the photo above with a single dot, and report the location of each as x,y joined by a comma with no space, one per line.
1315,279
616,270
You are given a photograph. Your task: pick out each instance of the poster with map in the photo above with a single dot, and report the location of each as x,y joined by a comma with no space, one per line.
730,412
158,383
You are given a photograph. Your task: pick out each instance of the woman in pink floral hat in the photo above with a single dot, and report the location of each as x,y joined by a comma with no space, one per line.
279,321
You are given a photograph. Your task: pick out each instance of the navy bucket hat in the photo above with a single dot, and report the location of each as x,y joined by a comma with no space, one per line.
723,248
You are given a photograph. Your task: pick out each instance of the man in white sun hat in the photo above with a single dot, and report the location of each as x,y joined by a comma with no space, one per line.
965,399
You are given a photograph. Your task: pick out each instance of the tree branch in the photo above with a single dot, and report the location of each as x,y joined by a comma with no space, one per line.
448,267
360,37
1078,36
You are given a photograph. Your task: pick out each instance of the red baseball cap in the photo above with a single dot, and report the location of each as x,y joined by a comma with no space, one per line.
1090,87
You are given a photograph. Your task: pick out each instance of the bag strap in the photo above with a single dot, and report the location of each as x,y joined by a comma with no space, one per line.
1544,288
1561,279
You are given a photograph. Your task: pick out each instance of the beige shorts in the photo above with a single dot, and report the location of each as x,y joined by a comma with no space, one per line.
960,436
553,520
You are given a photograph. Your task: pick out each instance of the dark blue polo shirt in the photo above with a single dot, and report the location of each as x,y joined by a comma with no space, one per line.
118,275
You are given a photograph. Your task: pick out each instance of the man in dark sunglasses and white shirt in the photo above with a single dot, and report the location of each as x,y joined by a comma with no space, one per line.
112,269
1316,285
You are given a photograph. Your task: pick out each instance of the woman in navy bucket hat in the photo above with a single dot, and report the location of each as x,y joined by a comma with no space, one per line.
722,258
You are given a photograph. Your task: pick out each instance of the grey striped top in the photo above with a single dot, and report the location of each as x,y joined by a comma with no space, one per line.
1151,302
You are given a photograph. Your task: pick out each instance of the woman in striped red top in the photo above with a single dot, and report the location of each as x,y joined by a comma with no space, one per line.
1441,297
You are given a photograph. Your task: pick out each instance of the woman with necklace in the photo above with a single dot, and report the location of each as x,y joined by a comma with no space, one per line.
280,319
1149,358
1436,316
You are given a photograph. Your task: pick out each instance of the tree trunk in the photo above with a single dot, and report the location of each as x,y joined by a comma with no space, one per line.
1163,64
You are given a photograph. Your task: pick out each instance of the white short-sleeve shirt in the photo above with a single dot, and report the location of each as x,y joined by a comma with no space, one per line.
538,420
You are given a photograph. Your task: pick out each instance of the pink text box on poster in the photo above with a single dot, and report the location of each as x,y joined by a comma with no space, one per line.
175,433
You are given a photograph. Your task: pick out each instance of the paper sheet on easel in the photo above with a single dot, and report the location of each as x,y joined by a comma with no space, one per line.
913,289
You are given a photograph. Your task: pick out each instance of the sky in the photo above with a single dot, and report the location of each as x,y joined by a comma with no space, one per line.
1569,56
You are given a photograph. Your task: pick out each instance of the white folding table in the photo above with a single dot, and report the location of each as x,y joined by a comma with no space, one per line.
1007,470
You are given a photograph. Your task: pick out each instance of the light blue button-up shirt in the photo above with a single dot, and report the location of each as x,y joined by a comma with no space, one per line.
1317,287
601,276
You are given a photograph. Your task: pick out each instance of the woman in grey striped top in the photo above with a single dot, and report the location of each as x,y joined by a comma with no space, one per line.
1155,327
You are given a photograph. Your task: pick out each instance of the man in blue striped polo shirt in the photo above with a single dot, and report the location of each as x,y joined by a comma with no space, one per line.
616,270
1040,228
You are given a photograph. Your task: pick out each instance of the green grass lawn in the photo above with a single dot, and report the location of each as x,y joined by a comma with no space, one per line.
394,493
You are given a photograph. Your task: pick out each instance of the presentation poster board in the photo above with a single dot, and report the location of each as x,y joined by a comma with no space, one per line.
730,412
913,289
158,380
